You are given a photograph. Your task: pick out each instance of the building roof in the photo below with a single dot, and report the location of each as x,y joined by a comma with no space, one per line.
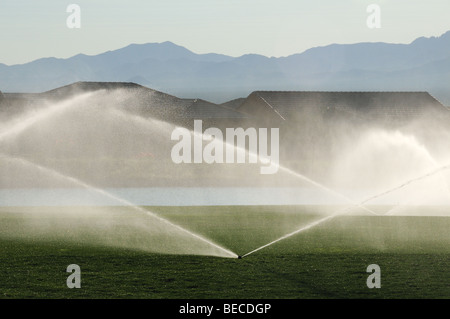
389,105
145,101
86,86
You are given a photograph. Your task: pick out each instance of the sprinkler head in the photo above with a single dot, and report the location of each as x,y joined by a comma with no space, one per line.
239,257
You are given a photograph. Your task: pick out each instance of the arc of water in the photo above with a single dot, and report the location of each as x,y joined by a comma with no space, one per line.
78,182
204,137
311,225
430,174
411,181
59,107
24,123
342,212
291,172
351,202
23,126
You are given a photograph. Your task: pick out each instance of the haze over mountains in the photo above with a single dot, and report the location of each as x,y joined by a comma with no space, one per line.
423,65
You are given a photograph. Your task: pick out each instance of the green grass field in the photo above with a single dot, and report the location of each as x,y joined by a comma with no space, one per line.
328,261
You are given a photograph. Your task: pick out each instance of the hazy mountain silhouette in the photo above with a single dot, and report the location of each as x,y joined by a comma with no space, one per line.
421,65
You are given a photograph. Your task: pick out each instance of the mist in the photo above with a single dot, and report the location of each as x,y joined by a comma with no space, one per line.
110,139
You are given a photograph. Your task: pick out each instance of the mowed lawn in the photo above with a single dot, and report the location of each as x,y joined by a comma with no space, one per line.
327,261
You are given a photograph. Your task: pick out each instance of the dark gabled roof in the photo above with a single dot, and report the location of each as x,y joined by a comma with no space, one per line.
393,105
201,109
86,86
145,101
93,86
186,108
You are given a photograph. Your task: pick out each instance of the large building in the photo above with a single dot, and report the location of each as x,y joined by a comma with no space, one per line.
273,106
386,106
313,128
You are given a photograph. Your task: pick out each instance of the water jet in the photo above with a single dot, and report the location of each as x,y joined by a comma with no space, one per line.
171,226
346,210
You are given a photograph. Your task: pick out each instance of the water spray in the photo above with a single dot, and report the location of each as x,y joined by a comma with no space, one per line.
59,107
411,181
23,124
346,210
290,172
73,180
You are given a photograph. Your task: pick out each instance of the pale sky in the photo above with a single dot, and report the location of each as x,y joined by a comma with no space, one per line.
31,29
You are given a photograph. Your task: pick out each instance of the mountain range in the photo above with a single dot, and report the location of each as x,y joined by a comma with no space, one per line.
422,65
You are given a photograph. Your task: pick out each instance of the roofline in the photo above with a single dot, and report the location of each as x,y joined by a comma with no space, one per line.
274,91
349,92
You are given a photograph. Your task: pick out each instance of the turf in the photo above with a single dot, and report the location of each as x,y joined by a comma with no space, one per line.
328,261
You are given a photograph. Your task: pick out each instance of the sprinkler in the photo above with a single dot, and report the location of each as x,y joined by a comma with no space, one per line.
239,257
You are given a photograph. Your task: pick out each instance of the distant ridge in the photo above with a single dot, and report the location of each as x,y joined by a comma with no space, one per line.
422,65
